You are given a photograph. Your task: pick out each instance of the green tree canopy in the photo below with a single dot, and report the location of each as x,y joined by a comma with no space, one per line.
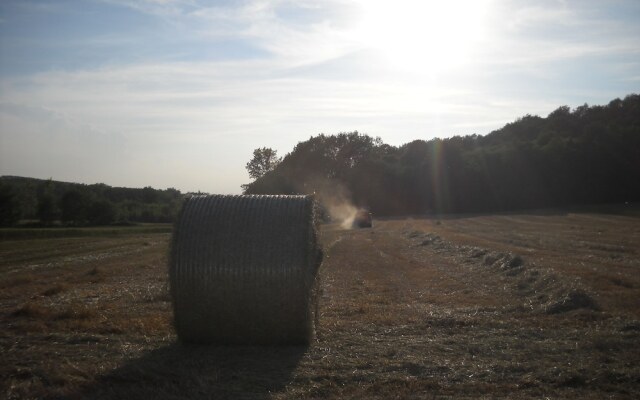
264,160
584,156
10,210
74,207
47,208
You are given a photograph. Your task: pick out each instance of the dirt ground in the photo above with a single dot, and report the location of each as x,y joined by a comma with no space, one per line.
507,306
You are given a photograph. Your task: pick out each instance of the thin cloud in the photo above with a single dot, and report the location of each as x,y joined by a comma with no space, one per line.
262,23
163,8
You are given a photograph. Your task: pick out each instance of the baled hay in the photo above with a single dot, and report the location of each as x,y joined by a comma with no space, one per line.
243,270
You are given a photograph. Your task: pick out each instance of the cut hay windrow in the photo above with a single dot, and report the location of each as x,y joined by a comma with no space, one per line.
542,288
243,270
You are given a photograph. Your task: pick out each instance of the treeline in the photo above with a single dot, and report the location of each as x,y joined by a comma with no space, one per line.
587,155
48,202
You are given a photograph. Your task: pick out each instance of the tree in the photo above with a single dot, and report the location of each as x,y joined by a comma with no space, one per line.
74,207
149,195
264,160
584,157
10,210
101,212
47,211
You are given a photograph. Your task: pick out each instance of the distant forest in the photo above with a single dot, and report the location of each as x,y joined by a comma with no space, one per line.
48,202
589,155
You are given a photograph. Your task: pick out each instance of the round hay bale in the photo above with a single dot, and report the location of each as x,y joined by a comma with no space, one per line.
243,270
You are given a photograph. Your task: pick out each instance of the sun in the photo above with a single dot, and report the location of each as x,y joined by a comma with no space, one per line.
424,35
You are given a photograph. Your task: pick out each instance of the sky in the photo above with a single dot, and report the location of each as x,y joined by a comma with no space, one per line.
168,93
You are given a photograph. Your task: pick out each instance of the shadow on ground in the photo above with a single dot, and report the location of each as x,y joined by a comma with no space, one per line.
200,372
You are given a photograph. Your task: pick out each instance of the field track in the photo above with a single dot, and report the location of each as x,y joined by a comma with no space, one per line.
511,306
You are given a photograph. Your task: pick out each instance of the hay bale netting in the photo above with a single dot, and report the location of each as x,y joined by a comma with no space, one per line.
243,270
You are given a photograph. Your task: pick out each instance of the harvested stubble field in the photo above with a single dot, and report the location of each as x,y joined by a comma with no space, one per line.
513,306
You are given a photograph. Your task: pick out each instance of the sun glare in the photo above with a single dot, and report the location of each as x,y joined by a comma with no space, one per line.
426,36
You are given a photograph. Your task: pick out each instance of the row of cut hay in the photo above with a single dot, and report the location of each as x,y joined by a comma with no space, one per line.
542,289
243,270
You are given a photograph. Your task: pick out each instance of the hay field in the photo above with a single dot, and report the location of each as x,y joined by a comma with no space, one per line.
512,306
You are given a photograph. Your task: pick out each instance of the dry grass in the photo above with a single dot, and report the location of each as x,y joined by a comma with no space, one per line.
55,289
410,309
30,310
